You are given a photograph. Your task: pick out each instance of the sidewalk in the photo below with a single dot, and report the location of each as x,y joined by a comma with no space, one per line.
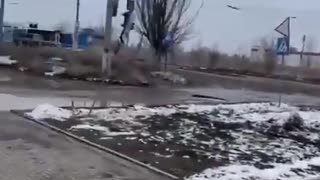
31,152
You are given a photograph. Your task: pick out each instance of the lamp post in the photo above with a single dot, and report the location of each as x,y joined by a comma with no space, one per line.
106,57
290,17
2,6
76,27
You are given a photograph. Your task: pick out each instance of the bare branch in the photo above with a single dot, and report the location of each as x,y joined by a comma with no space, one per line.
157,18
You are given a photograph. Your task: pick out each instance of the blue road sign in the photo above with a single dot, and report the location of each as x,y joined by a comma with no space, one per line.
283,46
168,41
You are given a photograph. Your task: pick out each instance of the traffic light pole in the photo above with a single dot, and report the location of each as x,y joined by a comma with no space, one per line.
107,53
2,19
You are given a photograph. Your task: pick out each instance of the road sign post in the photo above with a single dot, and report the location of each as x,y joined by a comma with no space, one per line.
284,30
167,43
283,44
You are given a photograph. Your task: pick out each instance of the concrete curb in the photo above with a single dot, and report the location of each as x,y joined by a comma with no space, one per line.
97,146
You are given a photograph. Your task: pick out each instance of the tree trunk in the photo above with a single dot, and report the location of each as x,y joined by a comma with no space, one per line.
166,62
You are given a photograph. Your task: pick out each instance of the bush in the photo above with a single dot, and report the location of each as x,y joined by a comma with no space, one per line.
214,57
198,57
270,61
295,122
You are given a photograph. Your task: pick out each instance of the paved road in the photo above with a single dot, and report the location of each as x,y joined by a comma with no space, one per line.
31,152
24,98
243,95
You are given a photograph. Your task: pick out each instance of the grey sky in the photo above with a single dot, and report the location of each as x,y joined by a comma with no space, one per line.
217,26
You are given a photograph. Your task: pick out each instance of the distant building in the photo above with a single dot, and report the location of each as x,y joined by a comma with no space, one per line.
31,35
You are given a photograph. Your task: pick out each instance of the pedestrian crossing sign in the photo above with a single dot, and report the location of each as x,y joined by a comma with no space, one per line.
283,46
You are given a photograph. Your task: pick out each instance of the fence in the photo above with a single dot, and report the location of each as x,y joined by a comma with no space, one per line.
294,59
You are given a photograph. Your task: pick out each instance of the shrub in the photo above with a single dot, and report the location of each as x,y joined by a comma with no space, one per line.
270,61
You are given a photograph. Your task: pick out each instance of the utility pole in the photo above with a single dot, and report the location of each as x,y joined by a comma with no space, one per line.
2,19
75,41
107,53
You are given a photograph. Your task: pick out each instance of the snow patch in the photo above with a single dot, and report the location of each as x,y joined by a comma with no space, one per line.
253,112
130,114
169,76
56,70
294,171
48,111
5,60
106,131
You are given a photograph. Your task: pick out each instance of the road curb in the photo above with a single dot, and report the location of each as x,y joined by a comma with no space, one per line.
97,146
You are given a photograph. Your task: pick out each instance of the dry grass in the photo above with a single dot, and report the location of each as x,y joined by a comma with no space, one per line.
213,60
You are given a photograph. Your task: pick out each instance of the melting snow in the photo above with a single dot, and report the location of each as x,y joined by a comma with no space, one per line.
5,60
294,171
251,111
298,160
47,111
102,129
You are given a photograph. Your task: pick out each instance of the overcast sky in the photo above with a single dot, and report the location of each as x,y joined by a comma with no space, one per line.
217,26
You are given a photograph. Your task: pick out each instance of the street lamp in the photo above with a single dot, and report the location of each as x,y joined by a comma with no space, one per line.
289,28
2,6
106,57
76,27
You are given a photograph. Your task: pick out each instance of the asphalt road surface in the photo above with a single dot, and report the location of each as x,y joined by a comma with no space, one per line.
32,152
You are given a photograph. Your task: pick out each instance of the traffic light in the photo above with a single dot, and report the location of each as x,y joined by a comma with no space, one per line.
128,22
126,18
130,5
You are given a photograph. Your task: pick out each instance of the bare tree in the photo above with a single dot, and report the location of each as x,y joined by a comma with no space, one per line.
158,18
